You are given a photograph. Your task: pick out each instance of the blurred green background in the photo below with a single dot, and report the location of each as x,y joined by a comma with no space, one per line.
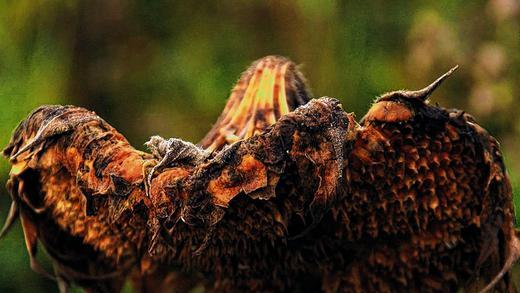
164,67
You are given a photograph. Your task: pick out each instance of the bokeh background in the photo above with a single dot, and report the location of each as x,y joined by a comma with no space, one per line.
165,67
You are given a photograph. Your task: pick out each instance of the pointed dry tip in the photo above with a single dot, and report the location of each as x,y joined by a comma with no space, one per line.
424,93
11,218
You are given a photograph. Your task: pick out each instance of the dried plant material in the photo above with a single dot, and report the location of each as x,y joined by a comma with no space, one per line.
414,198
269,89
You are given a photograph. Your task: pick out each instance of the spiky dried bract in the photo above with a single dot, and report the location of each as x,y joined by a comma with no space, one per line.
414,199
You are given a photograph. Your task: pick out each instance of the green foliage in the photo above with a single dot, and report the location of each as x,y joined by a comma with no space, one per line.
164,67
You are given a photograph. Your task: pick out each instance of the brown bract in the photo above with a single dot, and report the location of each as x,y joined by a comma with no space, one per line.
389,111
415,198
253,175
